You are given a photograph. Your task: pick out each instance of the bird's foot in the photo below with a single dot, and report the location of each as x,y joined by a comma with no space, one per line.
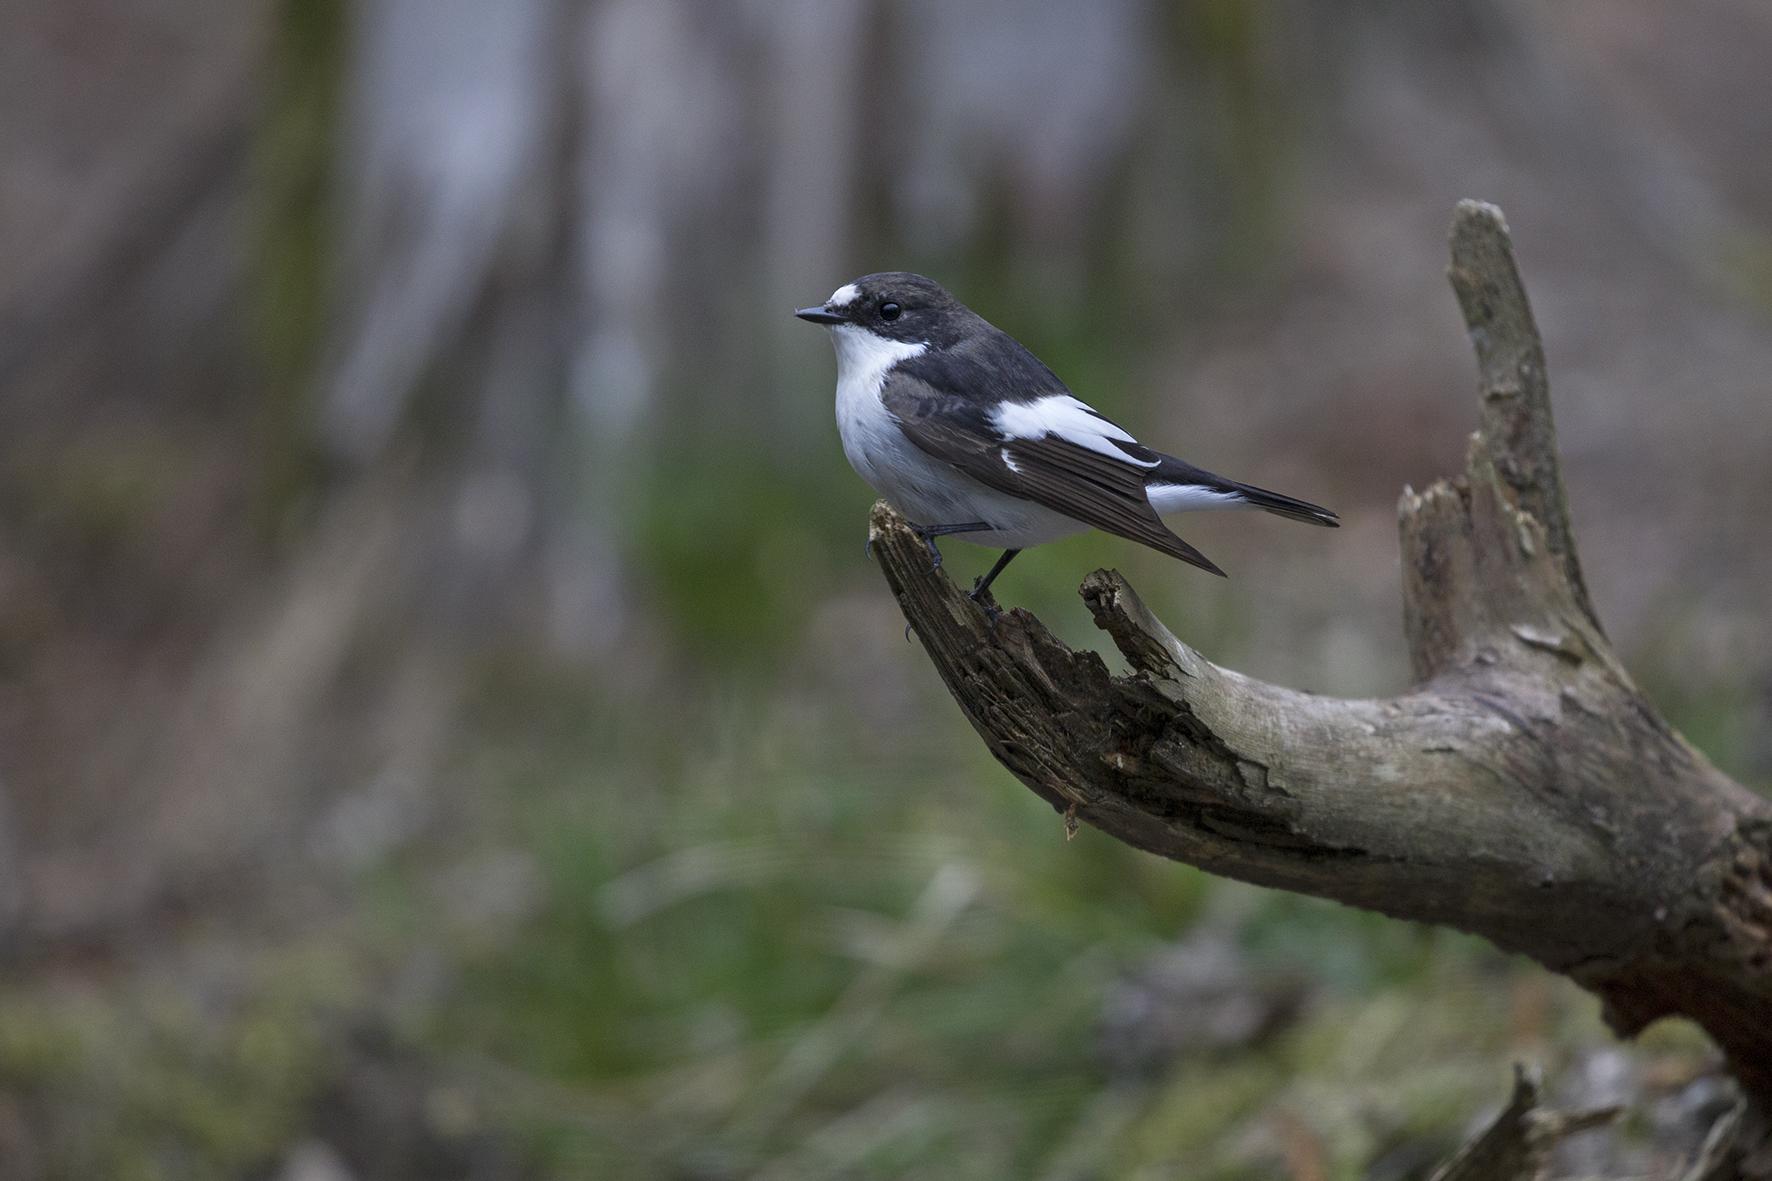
927,537
928,534
982,584
978,595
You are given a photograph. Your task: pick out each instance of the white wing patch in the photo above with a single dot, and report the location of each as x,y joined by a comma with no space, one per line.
1069,419
1188,498
843,296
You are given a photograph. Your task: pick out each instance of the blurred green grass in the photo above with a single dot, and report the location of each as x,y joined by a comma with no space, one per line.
757,956
763,942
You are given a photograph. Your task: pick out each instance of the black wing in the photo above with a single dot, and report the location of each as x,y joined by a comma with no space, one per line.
1077,480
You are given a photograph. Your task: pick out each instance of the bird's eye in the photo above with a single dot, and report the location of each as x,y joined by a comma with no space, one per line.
889,311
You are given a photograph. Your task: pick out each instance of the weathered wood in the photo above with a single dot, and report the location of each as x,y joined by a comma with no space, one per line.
1524,789
1514,387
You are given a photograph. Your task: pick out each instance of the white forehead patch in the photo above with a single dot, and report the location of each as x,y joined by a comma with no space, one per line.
843,296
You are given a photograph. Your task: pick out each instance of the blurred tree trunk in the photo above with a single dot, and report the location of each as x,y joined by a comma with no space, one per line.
288,233
454,293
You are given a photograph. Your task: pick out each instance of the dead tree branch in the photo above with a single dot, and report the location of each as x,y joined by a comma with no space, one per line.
1523,789
1515,1146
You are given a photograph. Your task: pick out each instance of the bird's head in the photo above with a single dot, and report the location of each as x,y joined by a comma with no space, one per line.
896,306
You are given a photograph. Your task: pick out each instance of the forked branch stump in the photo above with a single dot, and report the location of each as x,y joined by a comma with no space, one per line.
1523,789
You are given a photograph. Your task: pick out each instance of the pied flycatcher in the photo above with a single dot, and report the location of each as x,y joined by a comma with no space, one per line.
967,434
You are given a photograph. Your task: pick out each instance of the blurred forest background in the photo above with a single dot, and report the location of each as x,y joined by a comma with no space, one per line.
448,728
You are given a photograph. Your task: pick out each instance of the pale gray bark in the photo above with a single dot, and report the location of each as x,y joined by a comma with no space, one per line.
1524,789
450,111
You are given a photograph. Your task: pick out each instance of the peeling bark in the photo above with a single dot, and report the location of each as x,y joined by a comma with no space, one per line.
1523,789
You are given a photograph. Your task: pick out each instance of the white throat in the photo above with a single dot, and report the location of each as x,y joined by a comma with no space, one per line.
872,440
863,358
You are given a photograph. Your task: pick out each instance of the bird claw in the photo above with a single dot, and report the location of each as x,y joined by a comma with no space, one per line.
929,533
992,612
928,539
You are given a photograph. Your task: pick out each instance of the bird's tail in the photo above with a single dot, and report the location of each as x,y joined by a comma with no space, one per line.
1290,507
1185,486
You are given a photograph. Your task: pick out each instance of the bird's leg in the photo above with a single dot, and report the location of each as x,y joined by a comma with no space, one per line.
983,583
928,534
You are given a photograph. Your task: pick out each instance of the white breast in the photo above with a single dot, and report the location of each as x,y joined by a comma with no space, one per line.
922,487
871,439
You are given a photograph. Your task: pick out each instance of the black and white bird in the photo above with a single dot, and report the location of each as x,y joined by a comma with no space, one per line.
967,434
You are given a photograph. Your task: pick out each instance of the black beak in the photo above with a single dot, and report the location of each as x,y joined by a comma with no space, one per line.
820,316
